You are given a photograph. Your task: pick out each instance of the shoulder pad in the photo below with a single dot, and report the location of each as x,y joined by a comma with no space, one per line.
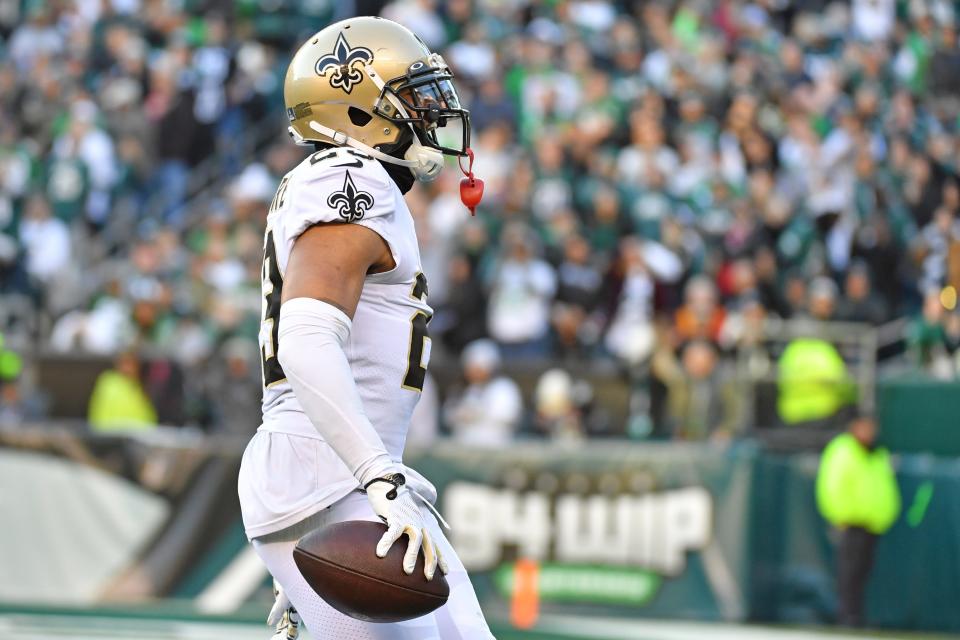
330,165
326,161
334,185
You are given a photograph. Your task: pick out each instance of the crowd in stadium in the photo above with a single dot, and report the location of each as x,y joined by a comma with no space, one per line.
661,178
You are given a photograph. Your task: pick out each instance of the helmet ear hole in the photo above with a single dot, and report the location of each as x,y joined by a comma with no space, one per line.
358,117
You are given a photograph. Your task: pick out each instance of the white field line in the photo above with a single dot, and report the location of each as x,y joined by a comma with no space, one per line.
621,629
235,584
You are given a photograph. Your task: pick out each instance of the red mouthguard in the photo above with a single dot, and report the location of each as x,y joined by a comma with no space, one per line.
471,187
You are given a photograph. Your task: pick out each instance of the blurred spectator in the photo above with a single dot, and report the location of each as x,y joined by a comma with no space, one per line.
171,110
716,159
579,281
648,161
488,411
46,240
491,105
813,383
822,299
859,303
702,399
165,385
951,341
38,37
91,152
935,243
14,407
795,295
421,17
558,415
425,421
104,329
873,19
118,401
701,315
233,389
11,403
463,317
578,292
473,55
630,335
927,340
857,493
520,295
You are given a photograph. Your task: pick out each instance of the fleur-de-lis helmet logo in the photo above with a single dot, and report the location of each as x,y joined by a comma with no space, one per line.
340,66
350,203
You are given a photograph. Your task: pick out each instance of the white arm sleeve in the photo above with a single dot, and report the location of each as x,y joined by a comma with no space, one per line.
311,336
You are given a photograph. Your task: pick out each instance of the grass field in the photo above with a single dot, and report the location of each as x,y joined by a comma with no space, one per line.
93,626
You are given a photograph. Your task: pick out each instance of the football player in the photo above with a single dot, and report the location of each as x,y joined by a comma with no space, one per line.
344,330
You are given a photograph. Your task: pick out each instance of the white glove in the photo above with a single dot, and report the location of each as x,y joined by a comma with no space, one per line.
398,507
283,616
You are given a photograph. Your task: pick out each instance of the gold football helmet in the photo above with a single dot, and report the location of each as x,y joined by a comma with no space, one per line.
371,84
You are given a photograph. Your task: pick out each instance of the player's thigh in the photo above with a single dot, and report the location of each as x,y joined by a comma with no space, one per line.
322,620
461,618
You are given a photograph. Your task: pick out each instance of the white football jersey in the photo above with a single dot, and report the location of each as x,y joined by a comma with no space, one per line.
288,470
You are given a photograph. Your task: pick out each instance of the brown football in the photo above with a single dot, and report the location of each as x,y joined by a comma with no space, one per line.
340,562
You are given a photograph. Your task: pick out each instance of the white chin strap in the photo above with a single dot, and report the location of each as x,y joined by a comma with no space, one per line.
425,163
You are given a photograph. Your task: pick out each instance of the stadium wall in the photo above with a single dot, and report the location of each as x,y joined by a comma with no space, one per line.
658,530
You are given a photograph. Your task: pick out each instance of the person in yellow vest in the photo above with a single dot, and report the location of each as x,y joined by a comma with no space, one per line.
118,401
857,493
813,382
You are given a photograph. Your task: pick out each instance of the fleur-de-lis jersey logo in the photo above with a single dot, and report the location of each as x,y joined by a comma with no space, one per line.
341,64
350,203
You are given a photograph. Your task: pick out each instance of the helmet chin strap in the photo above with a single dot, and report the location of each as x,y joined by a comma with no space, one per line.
425,163
342,139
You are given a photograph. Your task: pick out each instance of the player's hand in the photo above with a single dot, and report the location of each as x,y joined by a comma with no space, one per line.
283,616
399,508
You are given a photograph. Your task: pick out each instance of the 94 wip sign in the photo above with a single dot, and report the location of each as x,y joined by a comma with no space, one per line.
611,549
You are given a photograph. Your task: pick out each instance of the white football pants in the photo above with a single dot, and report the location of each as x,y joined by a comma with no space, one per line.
459,619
